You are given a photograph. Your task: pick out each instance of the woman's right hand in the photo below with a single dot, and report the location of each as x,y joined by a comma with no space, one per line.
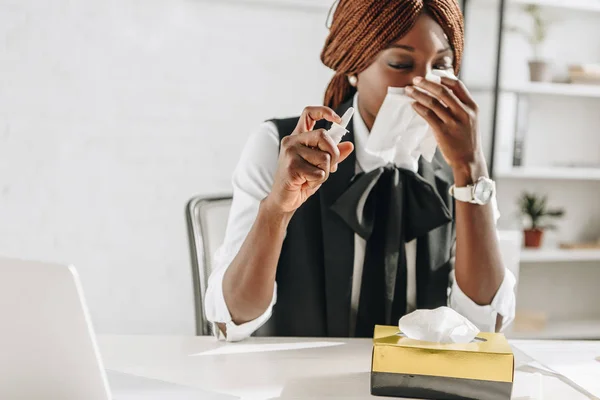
306,158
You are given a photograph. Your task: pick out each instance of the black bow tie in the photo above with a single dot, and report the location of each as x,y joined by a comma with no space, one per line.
399,206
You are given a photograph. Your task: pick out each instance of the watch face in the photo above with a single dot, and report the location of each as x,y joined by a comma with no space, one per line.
484,190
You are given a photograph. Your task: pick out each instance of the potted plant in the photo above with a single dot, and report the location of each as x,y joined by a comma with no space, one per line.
539,69
534,208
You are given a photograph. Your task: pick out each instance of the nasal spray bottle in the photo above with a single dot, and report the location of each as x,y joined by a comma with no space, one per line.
337,131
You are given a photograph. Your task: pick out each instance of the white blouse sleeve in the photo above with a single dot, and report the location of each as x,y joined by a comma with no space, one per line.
252,182
484,317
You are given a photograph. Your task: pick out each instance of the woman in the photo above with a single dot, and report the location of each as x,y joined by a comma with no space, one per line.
318,246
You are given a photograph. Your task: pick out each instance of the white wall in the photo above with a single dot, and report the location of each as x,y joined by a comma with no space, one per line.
114,113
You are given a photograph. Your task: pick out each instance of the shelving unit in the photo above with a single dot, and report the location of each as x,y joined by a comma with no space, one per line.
513,128
551,173
557,89
559,255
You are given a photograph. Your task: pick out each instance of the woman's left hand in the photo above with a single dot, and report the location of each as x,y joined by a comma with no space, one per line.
452,114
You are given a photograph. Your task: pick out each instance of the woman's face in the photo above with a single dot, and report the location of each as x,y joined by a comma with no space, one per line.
423,49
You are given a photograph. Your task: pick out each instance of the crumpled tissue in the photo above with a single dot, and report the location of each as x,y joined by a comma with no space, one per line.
442,325
399,134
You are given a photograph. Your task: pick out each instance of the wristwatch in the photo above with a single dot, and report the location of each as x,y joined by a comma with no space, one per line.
481,192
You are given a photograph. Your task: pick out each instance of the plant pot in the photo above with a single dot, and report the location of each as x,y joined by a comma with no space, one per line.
540,71
533,238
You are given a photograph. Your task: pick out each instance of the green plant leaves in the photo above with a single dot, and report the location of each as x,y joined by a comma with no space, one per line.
536,208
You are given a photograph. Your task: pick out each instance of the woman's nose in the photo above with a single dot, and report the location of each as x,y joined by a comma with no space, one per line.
421,71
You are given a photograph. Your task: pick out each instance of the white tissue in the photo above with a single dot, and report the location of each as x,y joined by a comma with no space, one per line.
442,325
437,74
399,134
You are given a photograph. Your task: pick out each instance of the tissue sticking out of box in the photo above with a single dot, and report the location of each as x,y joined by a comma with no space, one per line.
442,325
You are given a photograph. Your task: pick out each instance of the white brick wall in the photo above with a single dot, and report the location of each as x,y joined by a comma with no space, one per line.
114,113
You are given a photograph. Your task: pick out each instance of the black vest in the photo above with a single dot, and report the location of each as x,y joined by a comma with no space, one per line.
314,274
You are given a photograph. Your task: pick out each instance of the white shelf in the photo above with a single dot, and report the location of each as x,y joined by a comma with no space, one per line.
580,5
577,330
541,88
557,89
555,173
558,255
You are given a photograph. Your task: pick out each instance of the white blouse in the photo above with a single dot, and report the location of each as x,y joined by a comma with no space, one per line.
252,182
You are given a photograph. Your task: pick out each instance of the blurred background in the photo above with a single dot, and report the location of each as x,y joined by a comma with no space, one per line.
115,113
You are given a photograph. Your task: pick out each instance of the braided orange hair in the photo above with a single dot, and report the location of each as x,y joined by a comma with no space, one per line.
362,28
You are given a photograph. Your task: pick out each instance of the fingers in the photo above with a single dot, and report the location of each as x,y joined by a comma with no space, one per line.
345,149
311,115
303,171
433,121
430,116
306,163
461,92
431,103
317,158
445,95
323,160
324,157
319,139
313,166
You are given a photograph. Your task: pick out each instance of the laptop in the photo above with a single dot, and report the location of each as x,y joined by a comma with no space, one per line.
48,348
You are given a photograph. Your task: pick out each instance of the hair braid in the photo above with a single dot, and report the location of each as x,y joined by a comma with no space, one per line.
362,28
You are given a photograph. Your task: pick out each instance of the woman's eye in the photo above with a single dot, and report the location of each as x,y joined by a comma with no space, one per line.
400,66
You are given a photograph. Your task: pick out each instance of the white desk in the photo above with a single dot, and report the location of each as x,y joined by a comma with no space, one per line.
340,370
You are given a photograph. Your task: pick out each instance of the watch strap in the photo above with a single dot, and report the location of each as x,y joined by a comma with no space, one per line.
467,193
464,194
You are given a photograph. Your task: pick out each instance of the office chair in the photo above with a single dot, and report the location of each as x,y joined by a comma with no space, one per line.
207,221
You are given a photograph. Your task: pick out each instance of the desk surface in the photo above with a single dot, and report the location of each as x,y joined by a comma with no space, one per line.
280,367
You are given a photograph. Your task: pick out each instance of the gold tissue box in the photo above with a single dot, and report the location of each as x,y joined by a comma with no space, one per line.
403,367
